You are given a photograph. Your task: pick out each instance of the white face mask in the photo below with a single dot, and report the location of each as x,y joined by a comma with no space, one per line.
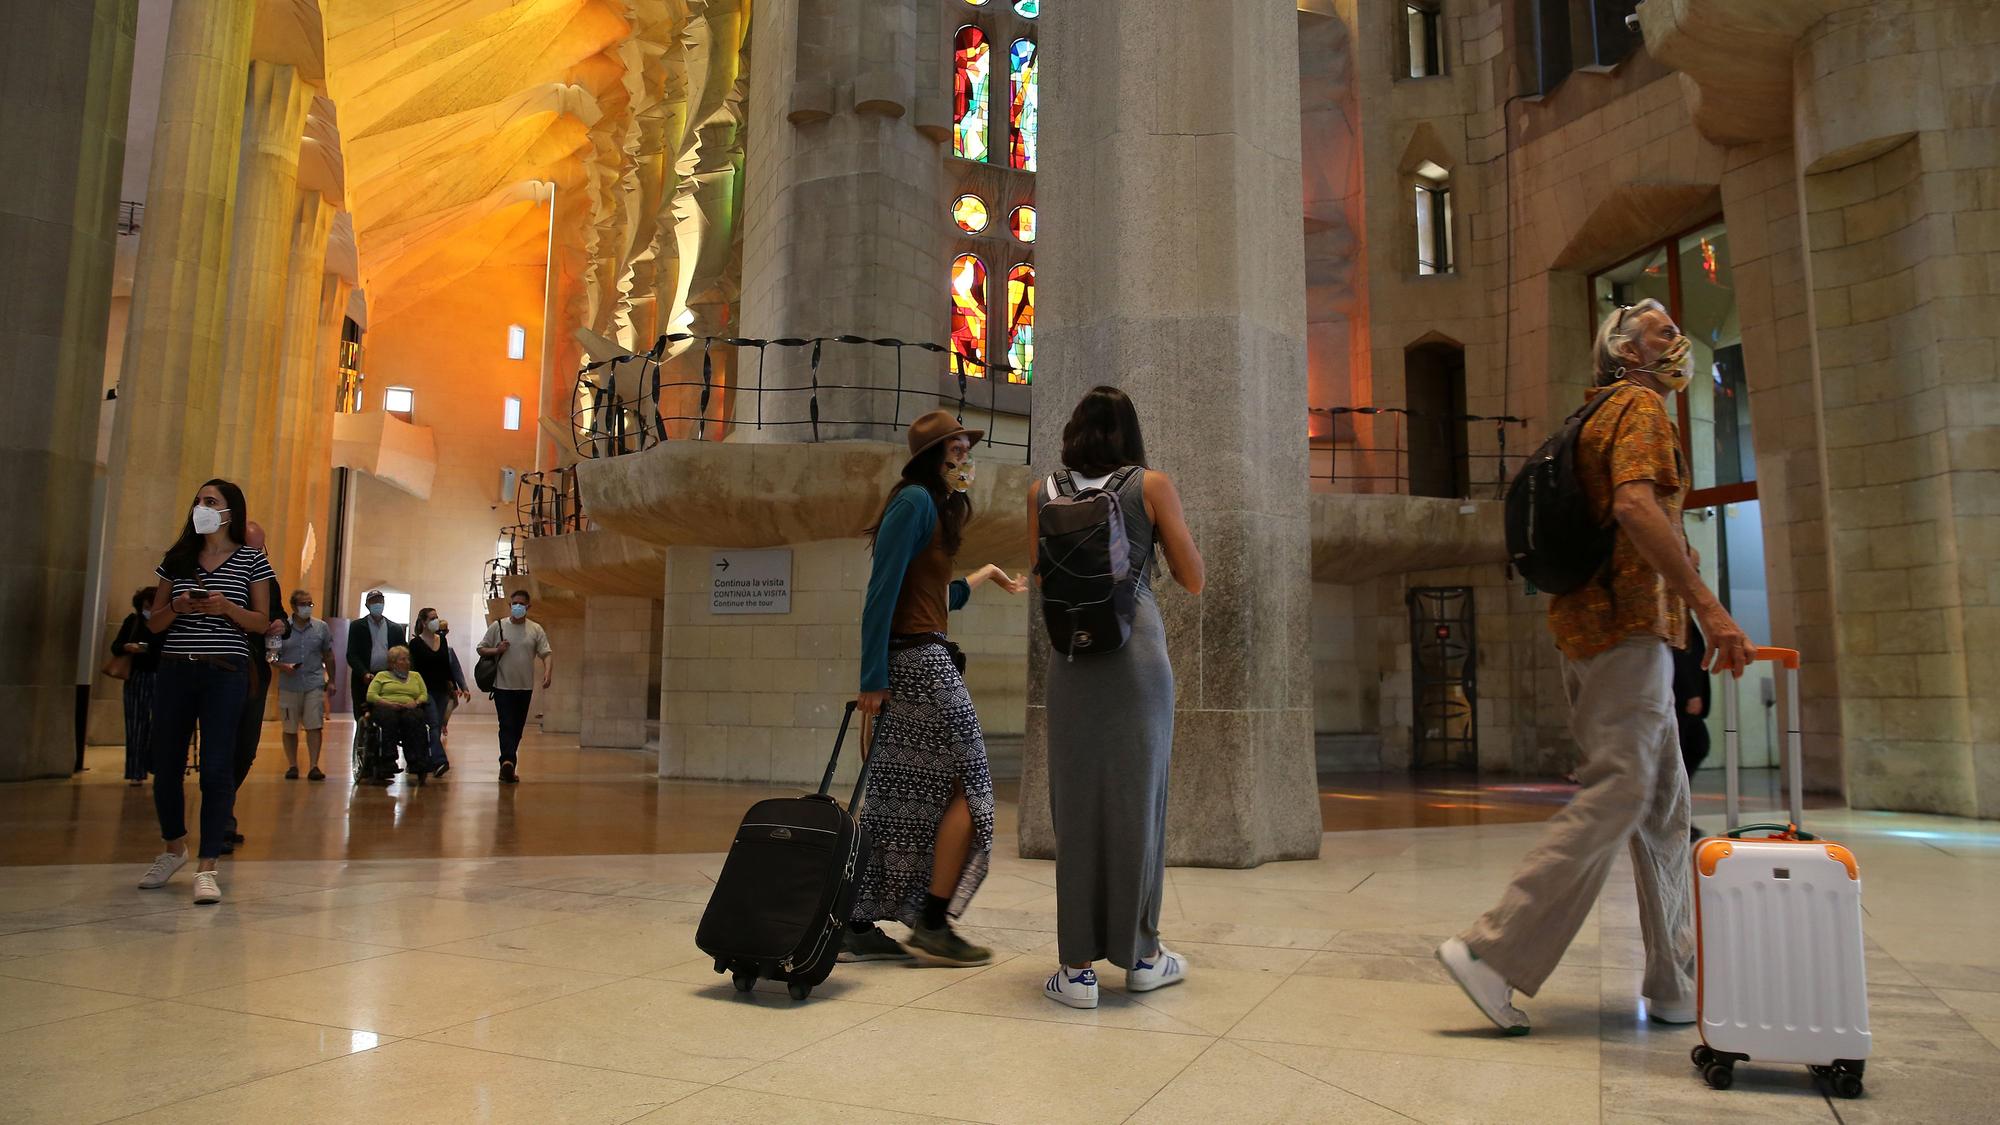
304,613
431,626
207,521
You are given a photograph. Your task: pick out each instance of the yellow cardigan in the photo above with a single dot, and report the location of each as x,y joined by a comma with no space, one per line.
386,688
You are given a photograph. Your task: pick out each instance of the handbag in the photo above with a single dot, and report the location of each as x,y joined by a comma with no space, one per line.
118,667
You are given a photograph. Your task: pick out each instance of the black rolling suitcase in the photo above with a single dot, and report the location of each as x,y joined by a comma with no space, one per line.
782,899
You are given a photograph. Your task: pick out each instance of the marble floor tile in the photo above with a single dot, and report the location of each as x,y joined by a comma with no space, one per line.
961,1055
699,1033
603,941
722,1105
1232,1083
411,923
1422,1019
888,983
417,1083
28,1003
402,994
110,1064
171,965
1207,1004
1448,1091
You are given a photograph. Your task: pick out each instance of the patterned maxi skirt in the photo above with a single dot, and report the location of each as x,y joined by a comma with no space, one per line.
927,743
138,726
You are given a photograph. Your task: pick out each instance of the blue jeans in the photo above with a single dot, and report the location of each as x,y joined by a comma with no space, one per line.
211,693
436,714
513,710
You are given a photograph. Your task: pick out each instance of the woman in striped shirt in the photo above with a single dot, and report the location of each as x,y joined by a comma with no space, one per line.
211,599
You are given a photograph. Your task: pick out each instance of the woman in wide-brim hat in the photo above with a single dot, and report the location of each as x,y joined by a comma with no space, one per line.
928,809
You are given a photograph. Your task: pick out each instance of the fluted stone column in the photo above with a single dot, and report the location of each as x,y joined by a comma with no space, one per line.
284,445
839,179
316,452
163,437
65,76
274,120
1172,265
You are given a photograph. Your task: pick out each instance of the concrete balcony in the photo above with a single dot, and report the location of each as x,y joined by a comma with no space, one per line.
388,448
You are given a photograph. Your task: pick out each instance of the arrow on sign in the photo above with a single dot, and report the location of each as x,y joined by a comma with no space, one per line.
723,566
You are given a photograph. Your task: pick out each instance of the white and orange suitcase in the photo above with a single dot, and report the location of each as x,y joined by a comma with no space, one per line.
1778,924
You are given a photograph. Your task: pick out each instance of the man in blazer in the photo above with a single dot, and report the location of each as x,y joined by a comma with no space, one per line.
369,640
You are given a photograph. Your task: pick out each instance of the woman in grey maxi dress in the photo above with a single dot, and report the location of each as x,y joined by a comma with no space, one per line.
1111,738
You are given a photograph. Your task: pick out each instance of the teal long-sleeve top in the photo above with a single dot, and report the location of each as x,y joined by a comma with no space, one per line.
907,527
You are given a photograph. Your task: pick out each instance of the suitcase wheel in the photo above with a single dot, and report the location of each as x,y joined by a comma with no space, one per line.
721,965
799,990
1844,1076
1701,1055
744,982
1720,1075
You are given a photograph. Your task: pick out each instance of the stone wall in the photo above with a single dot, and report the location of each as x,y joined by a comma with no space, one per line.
621,642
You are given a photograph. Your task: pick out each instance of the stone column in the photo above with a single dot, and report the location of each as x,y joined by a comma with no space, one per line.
284,446
65,76
163,437
845,199
616,658
260,259
1173,266
560,706
316,451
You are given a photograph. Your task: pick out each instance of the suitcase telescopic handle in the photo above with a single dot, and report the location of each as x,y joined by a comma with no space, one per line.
1794,753
833,762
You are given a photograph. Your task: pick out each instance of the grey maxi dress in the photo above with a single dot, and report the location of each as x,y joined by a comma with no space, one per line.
1111,738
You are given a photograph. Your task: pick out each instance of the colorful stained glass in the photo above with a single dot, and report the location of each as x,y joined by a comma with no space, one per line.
1023,116
968,316
1021,223
969,212
1026,9
1021,323
971,103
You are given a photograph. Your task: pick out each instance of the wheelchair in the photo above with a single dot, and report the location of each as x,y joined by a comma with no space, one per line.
375,749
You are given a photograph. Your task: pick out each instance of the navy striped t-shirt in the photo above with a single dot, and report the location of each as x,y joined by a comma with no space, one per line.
204,634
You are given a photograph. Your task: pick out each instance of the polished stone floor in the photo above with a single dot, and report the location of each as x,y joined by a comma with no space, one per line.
566,987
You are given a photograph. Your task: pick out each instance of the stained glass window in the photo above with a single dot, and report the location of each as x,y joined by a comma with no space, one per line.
1021,323
969,212
1027,9
1022,114
968,316
1021,223
971,104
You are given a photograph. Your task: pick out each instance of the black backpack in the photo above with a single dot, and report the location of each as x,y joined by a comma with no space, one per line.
1089,592
1553,538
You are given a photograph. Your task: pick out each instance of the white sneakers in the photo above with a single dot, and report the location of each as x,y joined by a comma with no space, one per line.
1077,988
1678,1013
1164,969
164,866
207,888
1484,987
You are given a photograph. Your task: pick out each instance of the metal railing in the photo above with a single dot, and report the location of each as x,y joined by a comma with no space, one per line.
548,503
607,424
131,216
513,563
1372,463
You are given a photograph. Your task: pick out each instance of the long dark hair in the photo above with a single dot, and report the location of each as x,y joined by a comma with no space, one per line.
1102,435
926,471
183,555
142,599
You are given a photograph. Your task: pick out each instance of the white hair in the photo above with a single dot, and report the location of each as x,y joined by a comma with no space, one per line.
1616,331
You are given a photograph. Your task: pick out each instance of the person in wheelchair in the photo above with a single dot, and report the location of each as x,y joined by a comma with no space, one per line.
396,705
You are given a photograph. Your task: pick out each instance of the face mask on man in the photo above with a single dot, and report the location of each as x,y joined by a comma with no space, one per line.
302,613
1671,367
375,609
958,475
518,612
207,521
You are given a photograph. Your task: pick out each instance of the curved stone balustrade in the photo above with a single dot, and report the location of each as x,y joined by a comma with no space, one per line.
1355,538
597,562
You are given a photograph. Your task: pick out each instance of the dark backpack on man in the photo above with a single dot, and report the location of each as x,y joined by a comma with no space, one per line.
1553,538
1089,592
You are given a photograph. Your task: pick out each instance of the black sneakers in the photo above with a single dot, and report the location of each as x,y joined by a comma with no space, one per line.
870,944
507,774
943,947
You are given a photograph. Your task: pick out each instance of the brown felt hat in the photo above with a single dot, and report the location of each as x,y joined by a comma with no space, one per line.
934,428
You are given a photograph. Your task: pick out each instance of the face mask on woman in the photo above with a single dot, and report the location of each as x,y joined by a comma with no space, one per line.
958,475
207,521
431,626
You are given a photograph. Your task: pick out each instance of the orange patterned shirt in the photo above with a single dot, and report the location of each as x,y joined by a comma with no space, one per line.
1628,439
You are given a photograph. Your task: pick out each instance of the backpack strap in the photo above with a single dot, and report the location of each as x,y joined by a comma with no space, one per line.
1065,482
1118,479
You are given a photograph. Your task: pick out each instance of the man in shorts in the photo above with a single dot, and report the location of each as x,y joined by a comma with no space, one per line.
305,660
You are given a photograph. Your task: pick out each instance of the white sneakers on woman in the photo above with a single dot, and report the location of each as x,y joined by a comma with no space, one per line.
1077,988
163,868
207,888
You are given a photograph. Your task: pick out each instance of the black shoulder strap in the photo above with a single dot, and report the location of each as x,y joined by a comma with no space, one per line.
1118,479
1065,483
